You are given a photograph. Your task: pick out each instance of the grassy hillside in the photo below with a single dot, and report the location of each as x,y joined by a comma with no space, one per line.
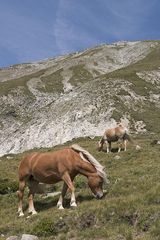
129,210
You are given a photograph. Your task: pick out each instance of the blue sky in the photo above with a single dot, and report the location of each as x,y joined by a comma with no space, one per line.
33,30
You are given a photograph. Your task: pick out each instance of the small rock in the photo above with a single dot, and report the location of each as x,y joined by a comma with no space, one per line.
29,237
9,157
138,147
51,194
13,238
117,157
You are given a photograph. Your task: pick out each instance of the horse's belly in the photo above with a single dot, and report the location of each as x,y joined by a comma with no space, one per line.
46,177
113,139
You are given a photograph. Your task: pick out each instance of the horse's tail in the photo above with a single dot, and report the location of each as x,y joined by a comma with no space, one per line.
88,157
127,137
137,147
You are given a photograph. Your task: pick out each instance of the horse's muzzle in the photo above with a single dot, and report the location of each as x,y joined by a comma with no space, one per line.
99,195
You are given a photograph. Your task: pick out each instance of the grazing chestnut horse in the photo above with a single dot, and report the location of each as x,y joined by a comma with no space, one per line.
119,134
61,165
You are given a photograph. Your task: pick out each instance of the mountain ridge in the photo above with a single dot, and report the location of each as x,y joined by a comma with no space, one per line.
53,101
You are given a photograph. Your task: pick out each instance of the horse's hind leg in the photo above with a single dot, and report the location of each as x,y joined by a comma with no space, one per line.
33,185
108,146
119,145
125,144
20,194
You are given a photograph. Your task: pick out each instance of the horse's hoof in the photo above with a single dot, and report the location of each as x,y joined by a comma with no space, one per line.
34,213
73,204
60,207
21,214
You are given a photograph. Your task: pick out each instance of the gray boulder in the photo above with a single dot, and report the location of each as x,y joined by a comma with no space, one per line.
29,237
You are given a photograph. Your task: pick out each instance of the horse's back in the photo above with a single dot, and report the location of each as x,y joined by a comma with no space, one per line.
113,134
61,156
120,131
47,165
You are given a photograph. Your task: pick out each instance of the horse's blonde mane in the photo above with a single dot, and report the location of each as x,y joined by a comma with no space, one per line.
92,160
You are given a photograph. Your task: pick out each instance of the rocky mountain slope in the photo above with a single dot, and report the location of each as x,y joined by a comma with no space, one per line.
50,102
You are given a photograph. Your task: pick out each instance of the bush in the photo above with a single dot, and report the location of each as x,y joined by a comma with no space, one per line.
48,227
7,186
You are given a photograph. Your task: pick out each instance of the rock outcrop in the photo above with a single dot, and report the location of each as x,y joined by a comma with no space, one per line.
50,102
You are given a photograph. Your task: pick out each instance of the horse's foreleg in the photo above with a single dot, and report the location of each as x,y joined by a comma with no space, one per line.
60,201
70,185
20,194
73,200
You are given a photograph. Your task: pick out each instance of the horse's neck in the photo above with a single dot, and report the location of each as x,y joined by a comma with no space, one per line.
86,168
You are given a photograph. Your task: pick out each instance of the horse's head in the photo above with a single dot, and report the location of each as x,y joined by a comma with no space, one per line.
95,183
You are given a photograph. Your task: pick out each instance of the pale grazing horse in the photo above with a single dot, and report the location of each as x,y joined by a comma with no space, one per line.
61,165
119,134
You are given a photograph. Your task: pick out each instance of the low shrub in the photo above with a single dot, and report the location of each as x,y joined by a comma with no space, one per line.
7,186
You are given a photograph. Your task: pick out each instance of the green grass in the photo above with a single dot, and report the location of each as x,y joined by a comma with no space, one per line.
8,86
80,75
129,210
53,82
